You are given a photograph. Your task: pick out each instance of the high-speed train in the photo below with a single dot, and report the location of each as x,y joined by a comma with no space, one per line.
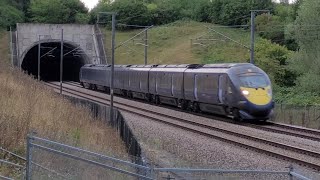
238,90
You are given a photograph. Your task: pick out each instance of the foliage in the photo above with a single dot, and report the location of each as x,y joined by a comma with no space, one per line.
275,60
270,27
58,11
81,18
307,35
232,12
9,14
130,12
150,12
156,12
273,27
295,96
21,5
285,12
296,7
102,6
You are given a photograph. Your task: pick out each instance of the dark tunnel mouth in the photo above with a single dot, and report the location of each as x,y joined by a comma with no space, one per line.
73,59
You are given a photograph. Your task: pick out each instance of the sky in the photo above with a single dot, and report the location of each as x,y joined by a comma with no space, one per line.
90,3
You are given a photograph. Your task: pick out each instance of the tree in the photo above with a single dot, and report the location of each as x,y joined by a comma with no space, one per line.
296,7
130,12
9,15
275,60
102,6
307,35
270,27
236,12
58,11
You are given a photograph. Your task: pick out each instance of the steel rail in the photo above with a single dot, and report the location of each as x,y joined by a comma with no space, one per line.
266,126
296,128
144,111
284,130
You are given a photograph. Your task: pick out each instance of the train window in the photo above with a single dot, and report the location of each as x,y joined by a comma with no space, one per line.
207,83
253,81
229,90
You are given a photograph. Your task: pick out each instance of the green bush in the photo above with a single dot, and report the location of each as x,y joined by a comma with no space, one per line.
10,15
307,59
295,96
273,27
131,12
235,12
58,11
275,60
270,27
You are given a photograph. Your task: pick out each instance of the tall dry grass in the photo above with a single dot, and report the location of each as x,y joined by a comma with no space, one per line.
28,106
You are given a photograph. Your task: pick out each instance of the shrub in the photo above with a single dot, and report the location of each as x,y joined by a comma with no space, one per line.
9,16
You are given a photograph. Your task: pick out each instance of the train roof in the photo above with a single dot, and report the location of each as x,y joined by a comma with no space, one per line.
188,66
225,65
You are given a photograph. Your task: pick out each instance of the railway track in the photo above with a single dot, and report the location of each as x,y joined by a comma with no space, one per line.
295,131
294,154
290,130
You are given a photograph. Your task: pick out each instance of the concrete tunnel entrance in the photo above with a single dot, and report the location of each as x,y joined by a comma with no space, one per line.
73,59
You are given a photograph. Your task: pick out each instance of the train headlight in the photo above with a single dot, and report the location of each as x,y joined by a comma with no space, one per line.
245,92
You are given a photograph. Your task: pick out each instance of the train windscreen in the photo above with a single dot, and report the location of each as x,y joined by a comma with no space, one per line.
253,81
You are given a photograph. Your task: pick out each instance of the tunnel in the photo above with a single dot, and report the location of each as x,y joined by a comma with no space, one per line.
50,52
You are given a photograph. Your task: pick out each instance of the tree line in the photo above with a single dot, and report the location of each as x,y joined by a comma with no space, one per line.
139,12
42,11
156,12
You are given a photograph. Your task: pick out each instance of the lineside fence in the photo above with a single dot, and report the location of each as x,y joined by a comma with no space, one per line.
52,160
10,160
306,116
118,122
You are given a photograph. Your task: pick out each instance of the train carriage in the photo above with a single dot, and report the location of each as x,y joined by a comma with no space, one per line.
205,88
120,78
240,90
166,84
138,76
94,76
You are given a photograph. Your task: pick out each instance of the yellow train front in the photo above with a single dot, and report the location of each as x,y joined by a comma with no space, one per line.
254,94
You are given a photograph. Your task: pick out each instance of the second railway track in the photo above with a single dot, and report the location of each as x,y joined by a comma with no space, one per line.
295,154
290,130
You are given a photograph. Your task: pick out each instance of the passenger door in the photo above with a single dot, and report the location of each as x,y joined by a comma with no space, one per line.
222,88
196,85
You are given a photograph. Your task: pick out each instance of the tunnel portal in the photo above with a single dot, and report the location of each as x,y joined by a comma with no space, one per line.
73,59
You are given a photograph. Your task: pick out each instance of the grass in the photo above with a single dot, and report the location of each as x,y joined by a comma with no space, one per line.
28,106
171,44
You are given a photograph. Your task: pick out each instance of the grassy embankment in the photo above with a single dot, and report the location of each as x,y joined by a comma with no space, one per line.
171,44
28,106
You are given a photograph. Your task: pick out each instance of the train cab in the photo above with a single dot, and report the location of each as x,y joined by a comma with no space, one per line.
255,94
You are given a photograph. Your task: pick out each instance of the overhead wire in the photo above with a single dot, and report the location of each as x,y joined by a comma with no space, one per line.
227,26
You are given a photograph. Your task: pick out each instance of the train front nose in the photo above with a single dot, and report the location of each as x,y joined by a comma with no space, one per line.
258,103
